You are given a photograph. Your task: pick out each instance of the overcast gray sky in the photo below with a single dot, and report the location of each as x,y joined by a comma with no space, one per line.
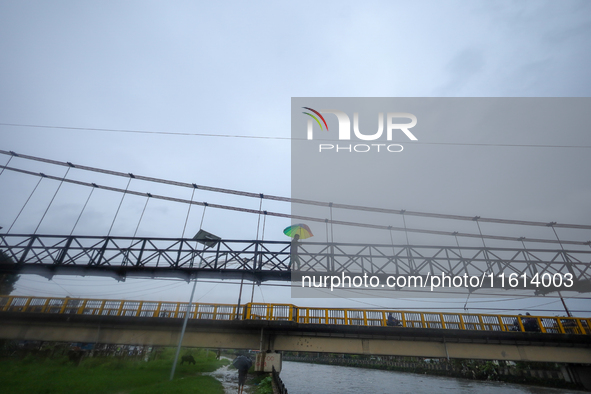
231,68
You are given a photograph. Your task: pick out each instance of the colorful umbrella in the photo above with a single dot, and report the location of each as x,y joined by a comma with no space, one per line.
298,229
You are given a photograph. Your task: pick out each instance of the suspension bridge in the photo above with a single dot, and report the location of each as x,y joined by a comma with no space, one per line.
559,264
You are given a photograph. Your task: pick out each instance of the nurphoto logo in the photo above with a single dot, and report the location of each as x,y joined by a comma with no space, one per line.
345,130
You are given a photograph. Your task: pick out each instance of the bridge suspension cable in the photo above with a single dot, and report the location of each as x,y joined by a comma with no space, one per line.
306,218
82,211
300,201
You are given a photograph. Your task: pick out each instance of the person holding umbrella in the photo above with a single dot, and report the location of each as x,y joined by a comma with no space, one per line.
242,364
297,232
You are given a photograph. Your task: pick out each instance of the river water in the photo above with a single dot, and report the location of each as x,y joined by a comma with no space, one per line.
303,378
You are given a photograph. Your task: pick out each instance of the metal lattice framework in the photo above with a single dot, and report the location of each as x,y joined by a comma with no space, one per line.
119,257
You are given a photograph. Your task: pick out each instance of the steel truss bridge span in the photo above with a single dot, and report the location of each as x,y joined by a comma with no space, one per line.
259,261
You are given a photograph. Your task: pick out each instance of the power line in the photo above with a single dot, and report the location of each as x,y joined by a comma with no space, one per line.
282,138
150,132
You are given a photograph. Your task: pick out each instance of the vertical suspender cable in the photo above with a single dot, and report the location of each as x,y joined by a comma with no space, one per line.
465,268
26,202
131,176
84,207
264,222
488,265
142,215
128,252
53,198
331,267
411,264
331,228
459,249
532,267
566,260
259,219
189,210
257,239
404,222
393,250
203,216
394,254
7,163
460,252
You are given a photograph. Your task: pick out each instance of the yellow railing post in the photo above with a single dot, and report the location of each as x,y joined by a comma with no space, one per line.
481,323
139,308
196,305
542,328
560,326
442,321
503,328
82,307
580,326
27,304
462,326
64,304
45,305
157,311
102,307
121,303
8,303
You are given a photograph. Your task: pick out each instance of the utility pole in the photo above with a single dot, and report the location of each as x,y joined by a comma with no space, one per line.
178,348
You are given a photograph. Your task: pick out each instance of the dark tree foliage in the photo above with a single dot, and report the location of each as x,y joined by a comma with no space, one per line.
7,281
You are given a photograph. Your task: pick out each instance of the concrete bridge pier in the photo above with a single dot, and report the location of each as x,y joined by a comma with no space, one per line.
577,373
268,359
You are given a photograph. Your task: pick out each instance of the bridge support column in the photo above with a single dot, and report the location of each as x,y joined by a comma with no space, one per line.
268,358
577,373
265,362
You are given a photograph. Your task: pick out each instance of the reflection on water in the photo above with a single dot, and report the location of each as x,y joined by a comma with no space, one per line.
302,378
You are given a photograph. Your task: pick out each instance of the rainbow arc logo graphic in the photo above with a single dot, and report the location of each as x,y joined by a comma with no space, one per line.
344,128
315,118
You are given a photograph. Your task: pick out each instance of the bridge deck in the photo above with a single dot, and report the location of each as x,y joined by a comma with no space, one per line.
302,315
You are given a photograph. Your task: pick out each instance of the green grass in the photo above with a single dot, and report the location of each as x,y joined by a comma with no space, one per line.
109,375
